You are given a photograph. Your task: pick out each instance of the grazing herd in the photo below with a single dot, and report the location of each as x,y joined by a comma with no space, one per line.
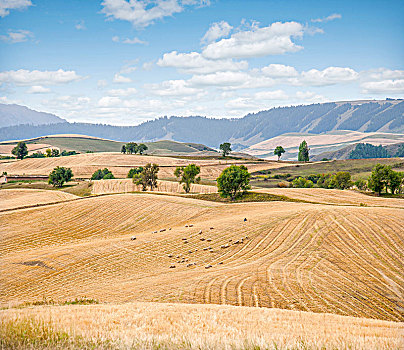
185,240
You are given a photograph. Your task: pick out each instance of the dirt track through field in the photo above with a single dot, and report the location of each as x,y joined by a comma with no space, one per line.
298,256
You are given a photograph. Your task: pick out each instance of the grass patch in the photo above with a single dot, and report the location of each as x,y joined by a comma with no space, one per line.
31,334
81,189
45,301
248,197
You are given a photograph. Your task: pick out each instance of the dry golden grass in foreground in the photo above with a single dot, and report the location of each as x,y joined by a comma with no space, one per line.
184,326
24,197
127,185
299,256
84,165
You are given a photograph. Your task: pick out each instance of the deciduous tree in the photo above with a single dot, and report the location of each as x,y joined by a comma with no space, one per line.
233,181
279,151
59,176
188,175
21,150
225,148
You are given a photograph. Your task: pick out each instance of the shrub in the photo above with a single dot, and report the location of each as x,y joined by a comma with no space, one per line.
59,176
102,174
282,185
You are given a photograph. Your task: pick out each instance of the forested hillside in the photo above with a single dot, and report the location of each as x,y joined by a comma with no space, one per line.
365,116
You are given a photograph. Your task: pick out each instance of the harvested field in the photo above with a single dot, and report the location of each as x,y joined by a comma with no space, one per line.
308,257
5,149
184,326
333,196
25,197
127,185
84,165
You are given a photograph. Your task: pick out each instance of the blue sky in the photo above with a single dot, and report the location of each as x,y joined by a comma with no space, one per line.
127,61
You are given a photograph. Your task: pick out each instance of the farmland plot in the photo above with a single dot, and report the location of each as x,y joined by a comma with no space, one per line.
308,257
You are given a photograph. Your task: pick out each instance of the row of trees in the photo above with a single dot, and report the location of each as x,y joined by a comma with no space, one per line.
133,147
341,180
383,177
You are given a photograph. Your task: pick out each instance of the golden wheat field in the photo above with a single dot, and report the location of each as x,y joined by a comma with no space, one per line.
185,326
346,260
84,165
10,198
334,196
127,185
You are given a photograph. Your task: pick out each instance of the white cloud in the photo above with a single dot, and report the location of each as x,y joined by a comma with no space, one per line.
135,40
67,102
279,71
109,101
220,79
80,25
309,96
272,40
122,92
102,83
195,63
120,79
271,95
17,36
173,88
384,86
216,31
38,89
132,41
329,76
23,77
148,65
383,74
142,13
7,5
328,18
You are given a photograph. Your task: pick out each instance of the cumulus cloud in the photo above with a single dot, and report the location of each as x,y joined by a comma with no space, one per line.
271,95
195,63
329,76
257,42
309,96
384,86
142,13
216,31
122,92
38,89
279,71
383,74
67,103
17,36
173,88
23,77
109,101
7,5
328,18
121,79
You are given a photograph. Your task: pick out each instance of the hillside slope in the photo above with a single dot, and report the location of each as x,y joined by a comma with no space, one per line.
12,114
364,116
339,259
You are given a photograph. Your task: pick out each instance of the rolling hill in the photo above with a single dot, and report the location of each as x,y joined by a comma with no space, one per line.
345,260
12,115
362,116
324,144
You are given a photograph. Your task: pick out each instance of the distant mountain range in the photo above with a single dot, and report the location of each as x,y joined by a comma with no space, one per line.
11,115
365,116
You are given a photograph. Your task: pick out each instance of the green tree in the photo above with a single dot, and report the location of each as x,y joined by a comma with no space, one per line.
395,180
48,152
301,182
379,178
341,180
123,149
59,176
148,177
303,152
225,148
279,151
132,172
142,148
55,152
131,147
21,150
102,174
360,184
233,181
188,175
